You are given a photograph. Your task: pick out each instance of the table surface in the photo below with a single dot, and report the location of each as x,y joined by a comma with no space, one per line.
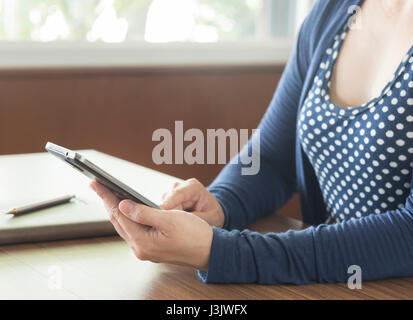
105,268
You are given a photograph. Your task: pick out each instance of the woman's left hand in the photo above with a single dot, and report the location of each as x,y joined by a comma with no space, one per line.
159,235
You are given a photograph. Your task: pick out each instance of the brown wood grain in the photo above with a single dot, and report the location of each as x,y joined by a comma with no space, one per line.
116,110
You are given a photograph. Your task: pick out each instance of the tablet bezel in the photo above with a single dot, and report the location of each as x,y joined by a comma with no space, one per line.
93,172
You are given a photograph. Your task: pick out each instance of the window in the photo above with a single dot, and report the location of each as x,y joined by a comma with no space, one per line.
142,25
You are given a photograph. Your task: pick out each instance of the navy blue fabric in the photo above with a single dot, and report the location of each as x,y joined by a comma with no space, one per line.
361,155
381,244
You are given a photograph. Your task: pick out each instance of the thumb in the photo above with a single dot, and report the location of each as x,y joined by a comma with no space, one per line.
144,215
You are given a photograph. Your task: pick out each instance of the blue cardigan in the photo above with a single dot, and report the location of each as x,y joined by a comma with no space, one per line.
381,245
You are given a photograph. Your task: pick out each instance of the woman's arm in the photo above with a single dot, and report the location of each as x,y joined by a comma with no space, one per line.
245,198
380,244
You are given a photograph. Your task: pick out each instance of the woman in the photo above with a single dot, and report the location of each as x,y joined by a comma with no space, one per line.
339,131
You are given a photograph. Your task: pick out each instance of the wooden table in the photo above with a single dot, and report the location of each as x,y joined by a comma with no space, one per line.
105,268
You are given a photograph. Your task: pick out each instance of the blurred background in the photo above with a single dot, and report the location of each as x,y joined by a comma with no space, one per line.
104,74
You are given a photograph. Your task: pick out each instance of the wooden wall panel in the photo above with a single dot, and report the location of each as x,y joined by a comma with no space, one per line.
117,110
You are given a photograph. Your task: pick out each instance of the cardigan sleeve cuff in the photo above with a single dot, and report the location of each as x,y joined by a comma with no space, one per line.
230,204
218,264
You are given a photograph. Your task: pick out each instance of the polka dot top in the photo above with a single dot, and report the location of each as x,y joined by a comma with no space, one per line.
362,156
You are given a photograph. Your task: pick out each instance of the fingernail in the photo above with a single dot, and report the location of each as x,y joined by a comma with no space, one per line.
165,204
126,206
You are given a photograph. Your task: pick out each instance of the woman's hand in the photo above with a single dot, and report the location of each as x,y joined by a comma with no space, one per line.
192,196
159,235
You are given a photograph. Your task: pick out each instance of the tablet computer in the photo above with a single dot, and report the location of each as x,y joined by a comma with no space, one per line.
93,172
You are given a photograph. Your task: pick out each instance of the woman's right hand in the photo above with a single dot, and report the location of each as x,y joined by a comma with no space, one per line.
192,196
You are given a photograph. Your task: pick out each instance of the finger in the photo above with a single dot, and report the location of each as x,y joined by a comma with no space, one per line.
185,206
145,215
111,203
109,199
188,192
176,184
167,207
114,219
173,204
178,207
131,229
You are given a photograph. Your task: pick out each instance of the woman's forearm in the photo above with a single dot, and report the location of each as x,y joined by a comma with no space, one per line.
381,245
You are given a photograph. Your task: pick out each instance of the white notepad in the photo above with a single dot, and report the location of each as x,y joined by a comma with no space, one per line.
29,178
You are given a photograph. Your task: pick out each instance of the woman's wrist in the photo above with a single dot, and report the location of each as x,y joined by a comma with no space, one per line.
203,256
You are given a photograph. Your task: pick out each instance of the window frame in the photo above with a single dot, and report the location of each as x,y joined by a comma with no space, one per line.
74,54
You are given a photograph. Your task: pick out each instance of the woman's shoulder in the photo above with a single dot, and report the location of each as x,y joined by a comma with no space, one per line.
325,13
322,21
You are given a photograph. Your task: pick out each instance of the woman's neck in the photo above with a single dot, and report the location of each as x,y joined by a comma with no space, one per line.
397,9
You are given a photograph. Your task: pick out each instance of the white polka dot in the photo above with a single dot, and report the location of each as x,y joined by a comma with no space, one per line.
351,157
400,110
400,143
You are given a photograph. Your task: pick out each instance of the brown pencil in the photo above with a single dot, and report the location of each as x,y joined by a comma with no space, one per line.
41,205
